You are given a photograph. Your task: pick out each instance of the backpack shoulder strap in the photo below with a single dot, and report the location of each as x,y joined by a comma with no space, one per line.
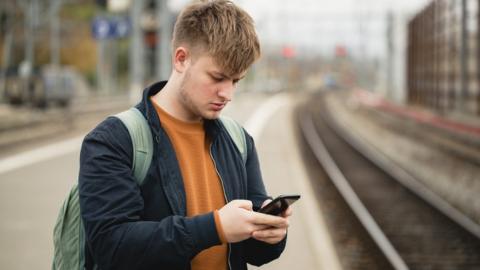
142,141
237,134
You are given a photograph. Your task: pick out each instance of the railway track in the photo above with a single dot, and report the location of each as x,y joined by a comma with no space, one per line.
19,128
455,139
412,227
465,147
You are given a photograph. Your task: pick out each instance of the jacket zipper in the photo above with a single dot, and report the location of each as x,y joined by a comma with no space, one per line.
226,200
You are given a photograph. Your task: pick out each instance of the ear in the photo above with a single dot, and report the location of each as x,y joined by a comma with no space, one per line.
181,59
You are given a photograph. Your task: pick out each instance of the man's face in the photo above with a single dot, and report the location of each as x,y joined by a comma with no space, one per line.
205,89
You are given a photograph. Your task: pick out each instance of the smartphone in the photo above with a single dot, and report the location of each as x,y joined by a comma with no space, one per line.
279,204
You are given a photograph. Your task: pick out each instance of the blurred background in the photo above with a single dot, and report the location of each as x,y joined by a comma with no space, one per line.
55,52
402,75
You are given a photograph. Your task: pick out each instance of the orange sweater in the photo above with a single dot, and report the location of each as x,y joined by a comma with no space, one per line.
204,191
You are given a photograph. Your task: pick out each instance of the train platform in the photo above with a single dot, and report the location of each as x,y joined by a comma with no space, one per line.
462,124
441,153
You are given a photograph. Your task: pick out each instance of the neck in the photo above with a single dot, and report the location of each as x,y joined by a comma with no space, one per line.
169,100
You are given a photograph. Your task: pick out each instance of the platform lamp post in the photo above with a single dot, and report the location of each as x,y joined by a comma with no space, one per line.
136,52
463,93
30,8
55,39
390,54
163,39
7,33
477,59
55,32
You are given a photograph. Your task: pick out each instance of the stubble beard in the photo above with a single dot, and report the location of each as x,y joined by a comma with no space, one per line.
186,100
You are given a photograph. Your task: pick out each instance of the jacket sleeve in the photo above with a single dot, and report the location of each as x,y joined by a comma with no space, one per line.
258,252
111,207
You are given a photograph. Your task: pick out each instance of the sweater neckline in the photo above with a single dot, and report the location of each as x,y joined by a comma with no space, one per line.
179,125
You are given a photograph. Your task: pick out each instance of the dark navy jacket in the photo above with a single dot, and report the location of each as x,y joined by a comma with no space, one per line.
144,227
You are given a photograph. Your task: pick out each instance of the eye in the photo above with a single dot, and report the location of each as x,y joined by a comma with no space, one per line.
217,79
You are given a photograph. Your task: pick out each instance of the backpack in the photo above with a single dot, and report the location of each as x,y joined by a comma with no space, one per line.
69,234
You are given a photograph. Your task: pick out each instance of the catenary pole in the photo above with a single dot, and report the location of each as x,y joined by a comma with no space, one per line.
136,51
163,39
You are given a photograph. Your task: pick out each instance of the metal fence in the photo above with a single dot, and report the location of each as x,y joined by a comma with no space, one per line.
443,65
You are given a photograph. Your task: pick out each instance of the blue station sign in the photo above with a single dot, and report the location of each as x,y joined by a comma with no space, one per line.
110,28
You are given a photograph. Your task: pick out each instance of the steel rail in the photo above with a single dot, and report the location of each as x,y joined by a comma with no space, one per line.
318,147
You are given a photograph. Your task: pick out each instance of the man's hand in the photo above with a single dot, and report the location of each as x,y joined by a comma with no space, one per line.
239,222
273,235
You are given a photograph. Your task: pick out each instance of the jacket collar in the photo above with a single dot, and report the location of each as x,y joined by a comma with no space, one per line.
212,127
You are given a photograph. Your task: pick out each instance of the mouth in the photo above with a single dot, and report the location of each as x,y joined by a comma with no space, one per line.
217,106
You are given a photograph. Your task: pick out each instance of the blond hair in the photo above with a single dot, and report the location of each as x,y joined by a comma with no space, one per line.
223,30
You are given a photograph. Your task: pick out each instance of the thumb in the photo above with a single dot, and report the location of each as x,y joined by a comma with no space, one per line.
266,202
245,204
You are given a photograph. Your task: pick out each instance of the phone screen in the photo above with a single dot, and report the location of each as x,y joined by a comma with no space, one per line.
279,204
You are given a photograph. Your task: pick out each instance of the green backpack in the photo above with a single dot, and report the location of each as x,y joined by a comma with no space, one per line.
68,233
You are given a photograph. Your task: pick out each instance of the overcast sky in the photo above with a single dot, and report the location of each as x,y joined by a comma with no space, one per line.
319,25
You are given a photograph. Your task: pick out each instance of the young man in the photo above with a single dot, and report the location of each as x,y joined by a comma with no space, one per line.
195,208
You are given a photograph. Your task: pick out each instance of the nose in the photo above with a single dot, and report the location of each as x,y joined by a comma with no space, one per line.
225,91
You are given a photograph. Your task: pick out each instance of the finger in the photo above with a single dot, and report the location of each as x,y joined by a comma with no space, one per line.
245,204
274,221
268,237
271,241
257,227
287,212
270,233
